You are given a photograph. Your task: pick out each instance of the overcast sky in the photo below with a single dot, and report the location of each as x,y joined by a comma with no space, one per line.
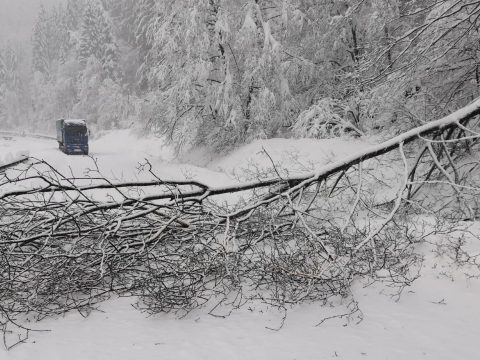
17,18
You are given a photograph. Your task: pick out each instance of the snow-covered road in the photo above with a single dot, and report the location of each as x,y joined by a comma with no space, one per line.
117,155
120,155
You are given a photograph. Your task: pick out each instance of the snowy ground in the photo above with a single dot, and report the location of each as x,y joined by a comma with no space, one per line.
10,154
438,317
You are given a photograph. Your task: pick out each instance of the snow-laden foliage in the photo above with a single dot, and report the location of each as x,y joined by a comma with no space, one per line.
218,73
324,120
96,40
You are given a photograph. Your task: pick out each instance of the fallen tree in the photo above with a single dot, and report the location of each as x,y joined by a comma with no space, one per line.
4,167
67,243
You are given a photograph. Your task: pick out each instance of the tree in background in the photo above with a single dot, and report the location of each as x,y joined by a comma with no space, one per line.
3,88
427,66
43,50
88,91
15,91
218,73
50,41
219,69
96,39
74,9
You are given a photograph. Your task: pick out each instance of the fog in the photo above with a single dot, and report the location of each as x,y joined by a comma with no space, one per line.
17,18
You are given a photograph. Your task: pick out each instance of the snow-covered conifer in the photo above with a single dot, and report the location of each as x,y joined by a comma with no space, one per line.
96,39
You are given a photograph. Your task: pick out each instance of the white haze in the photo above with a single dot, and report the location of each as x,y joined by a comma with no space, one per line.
17,18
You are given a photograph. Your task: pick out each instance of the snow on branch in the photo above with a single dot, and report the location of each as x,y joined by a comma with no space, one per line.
179,245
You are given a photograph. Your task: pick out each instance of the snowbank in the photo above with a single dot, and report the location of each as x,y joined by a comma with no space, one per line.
129,142
10,154
287,156
8,157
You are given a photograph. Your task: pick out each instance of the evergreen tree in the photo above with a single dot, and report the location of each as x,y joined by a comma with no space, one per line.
123,13
2,70
96,40
61,33
50,40
144,25
74,11
42,49
3,88
15,101
90,34
10,65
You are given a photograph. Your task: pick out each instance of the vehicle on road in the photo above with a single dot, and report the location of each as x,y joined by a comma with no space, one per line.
72,136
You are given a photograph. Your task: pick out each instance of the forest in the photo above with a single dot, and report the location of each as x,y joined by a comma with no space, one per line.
187,202
219,73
